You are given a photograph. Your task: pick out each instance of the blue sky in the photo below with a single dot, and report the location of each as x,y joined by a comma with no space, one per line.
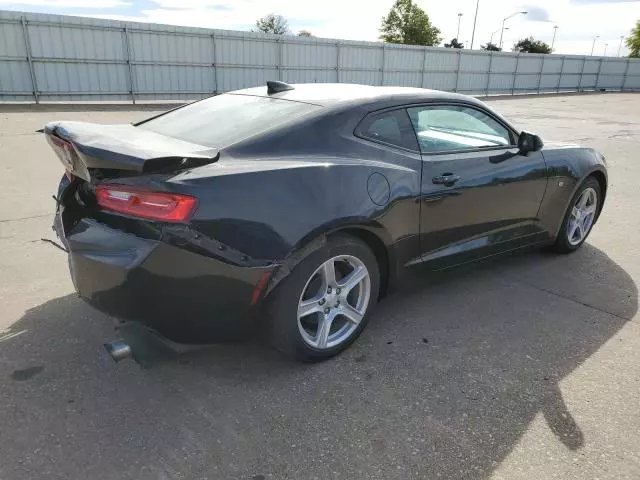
578,21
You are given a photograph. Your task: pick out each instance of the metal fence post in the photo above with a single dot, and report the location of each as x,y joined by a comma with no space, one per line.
584,61
515,75
213,64
424,67
279,58
338,62
541,73
624,77
560,76
458,70
128,51
27,47
598,75
382,69
486,90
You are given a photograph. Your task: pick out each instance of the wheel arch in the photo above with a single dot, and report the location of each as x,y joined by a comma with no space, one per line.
600,176
375,237
379,249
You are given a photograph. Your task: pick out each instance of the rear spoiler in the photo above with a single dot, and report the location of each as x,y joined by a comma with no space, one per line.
122,149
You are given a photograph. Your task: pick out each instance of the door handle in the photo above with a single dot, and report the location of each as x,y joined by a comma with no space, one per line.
446,179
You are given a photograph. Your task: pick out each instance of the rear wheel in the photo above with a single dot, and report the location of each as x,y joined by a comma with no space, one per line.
580,217
324,304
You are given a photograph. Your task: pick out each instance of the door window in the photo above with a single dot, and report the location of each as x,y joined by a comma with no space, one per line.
444,128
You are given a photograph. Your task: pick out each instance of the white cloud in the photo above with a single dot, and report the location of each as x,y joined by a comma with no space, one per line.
94,4
536,13
578,21
345,19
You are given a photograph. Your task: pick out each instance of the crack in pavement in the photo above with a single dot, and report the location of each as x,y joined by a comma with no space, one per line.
25,218
574,300
18,134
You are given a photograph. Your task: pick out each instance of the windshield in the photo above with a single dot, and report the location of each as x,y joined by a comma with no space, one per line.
225,119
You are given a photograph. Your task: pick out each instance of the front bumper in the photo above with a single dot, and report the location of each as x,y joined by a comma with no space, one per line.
186,297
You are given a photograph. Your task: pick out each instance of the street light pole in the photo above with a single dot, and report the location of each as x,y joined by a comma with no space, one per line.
555,29
594,43
605,49
620,47
493,33
504,20
475,19
458,34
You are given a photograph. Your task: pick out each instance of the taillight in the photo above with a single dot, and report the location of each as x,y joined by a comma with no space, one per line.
168,207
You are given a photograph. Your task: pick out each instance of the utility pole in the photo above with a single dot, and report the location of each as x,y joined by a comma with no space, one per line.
475,19
458,34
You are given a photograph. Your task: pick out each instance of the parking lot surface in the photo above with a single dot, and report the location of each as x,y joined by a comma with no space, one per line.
522,367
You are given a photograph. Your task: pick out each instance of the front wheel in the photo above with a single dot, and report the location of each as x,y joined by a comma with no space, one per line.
580,217
324,304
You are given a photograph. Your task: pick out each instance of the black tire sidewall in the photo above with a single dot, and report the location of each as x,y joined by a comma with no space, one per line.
562,242
282,304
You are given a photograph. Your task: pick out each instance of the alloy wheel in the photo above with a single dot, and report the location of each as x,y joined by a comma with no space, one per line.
333,302
582,216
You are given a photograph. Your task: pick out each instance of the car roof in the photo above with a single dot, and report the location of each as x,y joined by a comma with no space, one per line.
347,94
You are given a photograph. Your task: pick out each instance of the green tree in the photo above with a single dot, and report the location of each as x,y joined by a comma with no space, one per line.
409,24
275,24
304,33
633,41
491,47
529,45
454,44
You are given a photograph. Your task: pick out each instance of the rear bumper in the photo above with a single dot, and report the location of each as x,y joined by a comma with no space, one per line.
186,297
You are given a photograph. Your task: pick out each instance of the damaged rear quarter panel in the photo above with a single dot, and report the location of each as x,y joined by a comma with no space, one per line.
269,208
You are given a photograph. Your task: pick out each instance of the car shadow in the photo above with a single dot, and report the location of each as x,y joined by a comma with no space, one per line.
445,380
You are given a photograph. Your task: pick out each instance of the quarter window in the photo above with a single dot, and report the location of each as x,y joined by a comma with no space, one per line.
451,127
391,127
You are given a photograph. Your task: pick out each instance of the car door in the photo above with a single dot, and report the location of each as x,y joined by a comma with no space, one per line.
480,196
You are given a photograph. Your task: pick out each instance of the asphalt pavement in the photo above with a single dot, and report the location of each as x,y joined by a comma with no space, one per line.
527,366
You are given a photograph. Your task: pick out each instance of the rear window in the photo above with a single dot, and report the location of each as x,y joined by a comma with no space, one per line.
225,119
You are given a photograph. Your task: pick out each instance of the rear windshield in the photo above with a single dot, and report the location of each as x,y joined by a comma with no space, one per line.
225,119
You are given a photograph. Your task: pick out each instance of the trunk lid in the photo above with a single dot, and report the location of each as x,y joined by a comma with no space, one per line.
89,150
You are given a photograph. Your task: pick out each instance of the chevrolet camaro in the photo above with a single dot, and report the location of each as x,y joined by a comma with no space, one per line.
294,208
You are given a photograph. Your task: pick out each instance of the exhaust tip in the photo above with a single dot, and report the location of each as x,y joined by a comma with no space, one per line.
118,350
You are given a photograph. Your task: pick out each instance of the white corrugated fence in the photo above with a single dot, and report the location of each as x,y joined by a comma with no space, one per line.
61,58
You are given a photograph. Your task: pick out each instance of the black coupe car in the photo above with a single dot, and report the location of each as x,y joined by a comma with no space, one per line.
298,206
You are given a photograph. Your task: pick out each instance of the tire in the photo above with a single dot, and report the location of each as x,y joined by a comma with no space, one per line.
565,243
299,335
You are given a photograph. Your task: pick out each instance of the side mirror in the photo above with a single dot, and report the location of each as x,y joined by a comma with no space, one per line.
528,142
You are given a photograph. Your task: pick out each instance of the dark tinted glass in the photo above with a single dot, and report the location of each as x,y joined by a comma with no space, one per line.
225,119
389,127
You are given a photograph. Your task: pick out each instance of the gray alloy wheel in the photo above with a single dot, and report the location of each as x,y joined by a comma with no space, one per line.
583,213
333,302
326,301
580,217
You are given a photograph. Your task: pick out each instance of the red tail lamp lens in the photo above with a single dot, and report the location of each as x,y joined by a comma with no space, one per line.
167,207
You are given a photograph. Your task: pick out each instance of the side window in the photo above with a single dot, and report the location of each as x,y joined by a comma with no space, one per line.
442,128
391,127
